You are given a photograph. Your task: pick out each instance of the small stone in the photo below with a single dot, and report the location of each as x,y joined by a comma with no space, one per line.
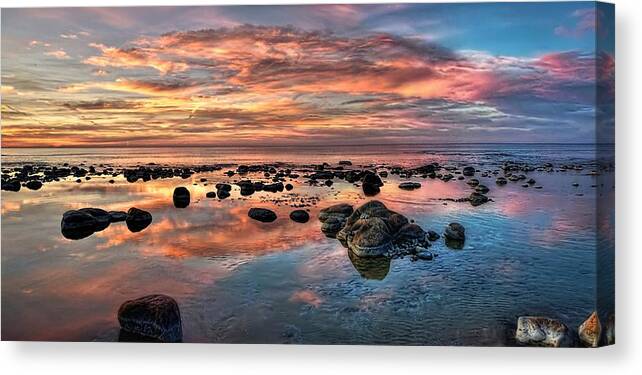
138,219
262,214
181,197
300,216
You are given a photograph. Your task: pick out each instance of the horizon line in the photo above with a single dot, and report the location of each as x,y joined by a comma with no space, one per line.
316,145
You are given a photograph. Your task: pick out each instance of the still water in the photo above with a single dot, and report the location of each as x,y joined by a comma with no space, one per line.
236,280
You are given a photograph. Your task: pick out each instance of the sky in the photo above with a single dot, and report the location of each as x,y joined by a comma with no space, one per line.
308,75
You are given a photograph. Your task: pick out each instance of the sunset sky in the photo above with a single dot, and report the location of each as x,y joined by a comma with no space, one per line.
318,74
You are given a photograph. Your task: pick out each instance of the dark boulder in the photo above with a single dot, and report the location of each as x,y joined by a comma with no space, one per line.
262,214
483,189
247,188
222,194
138,219
155,316
12,185
210,194
468,171
373,230
33,185
477,199
432,235
274,188
300,216
334,218
181,197
455,235
76,225
117,216
103,219
289,187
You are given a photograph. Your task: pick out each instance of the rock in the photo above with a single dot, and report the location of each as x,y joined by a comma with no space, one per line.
542,331
409,185
289,187
531,181
372,230
222,186
33,185
468,171
210,194
155,316
137,219
300,216
247,188
370,190
609,331
117,216
345,162
103,219
262,214
590,331
273,188
455,235
501,181
181,197
432,235
341,209
371,183
473,182
483,189
76,224
332,225
222,194
424,255
477,199
12,185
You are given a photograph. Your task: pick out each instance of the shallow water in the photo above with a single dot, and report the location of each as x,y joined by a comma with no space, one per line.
527,252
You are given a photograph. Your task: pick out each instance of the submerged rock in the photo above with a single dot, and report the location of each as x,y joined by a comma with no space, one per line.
76,224
455,236
409,185
373,230
117,216
262,214
542,331
590,331
468,171
300,216
181,197
477,199
138,219
155,316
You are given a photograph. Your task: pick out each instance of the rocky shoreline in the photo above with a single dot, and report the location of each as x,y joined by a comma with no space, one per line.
372,233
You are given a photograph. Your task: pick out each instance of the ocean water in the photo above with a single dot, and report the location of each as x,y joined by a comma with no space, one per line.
527,252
